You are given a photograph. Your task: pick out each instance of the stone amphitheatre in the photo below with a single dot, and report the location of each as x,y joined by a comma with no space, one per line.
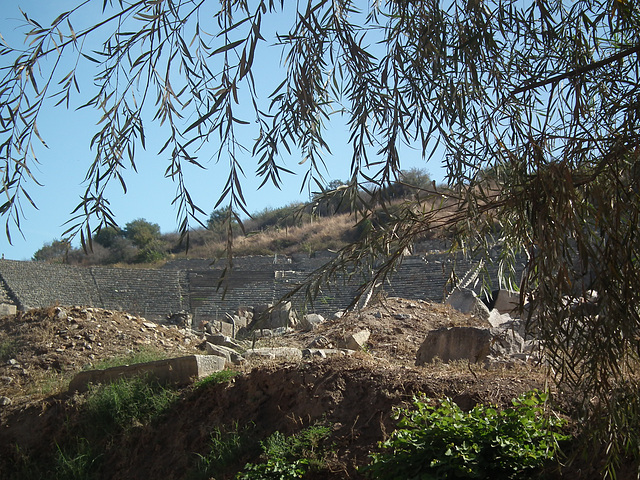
192,285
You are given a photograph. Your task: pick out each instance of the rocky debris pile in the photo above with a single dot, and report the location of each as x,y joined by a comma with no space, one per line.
181,319
53,343
266,319
502,338
480,334
64,340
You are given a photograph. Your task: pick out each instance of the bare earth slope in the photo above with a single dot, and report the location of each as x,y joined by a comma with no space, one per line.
354,395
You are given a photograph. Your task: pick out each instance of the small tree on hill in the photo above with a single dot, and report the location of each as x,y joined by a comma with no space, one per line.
146,237
56,251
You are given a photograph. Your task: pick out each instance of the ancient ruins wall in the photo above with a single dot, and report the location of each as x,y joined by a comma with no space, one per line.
193,285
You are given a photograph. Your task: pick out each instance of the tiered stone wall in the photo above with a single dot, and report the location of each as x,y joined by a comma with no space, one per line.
36,284
147,292
194,285
154,293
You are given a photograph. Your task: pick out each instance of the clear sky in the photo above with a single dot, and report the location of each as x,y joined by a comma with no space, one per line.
68,134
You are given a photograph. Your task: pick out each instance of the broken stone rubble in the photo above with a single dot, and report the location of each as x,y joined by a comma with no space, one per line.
357,340
229,354
502,339
325,352
311,321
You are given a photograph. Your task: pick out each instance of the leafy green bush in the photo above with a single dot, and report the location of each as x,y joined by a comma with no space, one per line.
290,457
445,442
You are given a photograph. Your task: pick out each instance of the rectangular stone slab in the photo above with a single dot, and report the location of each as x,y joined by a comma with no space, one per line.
177,371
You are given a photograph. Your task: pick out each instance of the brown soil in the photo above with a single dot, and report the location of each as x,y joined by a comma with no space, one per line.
354,394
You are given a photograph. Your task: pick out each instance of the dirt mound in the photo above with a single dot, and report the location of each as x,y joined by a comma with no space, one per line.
58,341
353,394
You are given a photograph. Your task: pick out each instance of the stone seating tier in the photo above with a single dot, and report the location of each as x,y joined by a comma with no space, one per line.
193,285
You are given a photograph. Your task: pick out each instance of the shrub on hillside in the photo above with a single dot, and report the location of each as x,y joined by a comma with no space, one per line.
438,442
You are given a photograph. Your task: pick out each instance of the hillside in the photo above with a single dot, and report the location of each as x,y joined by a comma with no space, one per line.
288,230
48,433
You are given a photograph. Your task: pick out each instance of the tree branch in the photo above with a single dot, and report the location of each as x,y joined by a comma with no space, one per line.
578,71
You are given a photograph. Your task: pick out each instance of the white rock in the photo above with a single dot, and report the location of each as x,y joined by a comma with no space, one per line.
497,319
310,321
358,340
466,301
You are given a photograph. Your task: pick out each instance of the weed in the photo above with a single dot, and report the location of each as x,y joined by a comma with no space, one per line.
9,348
226,448
445,442
290,457
77,462
223,376
22,466
127,402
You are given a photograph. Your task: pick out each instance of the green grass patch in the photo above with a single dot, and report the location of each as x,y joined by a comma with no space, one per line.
126,403
9,348
223,376
227,448
77,460
440,442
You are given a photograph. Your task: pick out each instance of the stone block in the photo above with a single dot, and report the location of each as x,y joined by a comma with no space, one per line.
178,371
223,328
497,319
310,321
458,343
506,341
7,309
220,339
288,353
229,354
466,301
268,316
358,340
506,301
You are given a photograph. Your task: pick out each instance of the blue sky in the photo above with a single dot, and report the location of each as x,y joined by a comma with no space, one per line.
68,134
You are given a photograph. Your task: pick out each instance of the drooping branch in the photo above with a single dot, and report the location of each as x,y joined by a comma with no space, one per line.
578,71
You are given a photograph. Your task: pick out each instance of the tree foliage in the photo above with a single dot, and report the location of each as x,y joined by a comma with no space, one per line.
56,251
534,106
142,233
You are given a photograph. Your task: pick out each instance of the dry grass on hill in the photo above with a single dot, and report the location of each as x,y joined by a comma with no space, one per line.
320,234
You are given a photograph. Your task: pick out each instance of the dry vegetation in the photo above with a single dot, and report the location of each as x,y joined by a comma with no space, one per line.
321,234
